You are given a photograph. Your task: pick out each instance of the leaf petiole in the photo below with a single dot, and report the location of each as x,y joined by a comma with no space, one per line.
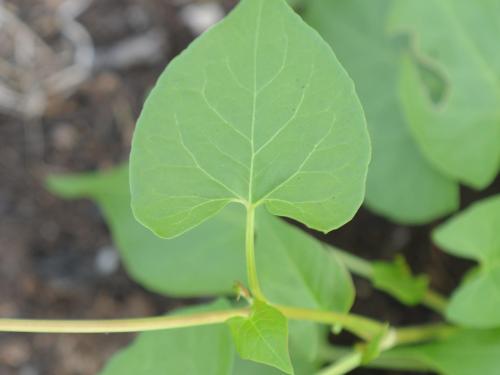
253,279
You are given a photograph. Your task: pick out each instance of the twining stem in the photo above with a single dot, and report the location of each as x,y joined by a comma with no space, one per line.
364,268
364,328
119,325
250,254
428,332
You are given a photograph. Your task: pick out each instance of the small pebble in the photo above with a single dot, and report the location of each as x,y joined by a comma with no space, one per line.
199,17
107,260
64,137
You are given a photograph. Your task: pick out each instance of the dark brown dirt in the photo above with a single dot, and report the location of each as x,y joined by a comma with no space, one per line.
48,246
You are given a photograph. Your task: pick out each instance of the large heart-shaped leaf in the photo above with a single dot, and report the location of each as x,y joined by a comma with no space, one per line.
401,185
475,234
460,136
258,111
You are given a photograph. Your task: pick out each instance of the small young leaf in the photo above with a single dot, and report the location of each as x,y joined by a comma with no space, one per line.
465,352
263,336
204,350
402,185
475,234
257,110
396,279
461,135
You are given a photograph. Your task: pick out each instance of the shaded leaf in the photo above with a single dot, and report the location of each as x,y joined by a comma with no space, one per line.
402,185
263,336
396,279
465,352
318,278
474,234
213,252
256,110
460,136
204,350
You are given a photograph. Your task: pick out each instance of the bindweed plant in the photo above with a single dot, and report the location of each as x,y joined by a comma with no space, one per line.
258,119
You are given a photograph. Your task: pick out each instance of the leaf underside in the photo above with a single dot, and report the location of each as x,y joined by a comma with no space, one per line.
257,111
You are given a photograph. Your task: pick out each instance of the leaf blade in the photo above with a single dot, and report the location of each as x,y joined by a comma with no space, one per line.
263,336
417,193
251,116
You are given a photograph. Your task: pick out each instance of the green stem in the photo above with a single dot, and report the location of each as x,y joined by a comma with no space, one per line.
344,364
253,279
422,333
119,325
389,360
363,327
364,268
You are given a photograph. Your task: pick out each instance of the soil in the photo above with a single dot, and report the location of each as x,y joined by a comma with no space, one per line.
49,247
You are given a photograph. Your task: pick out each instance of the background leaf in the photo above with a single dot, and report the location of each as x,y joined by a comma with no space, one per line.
213,251
263,336
204,350
401,185
474,234
465,352
257,109
318,277
460,136
182,351
286,257
396,279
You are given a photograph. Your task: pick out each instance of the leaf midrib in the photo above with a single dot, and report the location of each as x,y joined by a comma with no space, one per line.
254,104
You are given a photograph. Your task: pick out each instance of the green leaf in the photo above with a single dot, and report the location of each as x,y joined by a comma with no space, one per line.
318,277
402,185
204,350
257,110
207,261
460,136
183,351
474,234
263,336
465,352
396,279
